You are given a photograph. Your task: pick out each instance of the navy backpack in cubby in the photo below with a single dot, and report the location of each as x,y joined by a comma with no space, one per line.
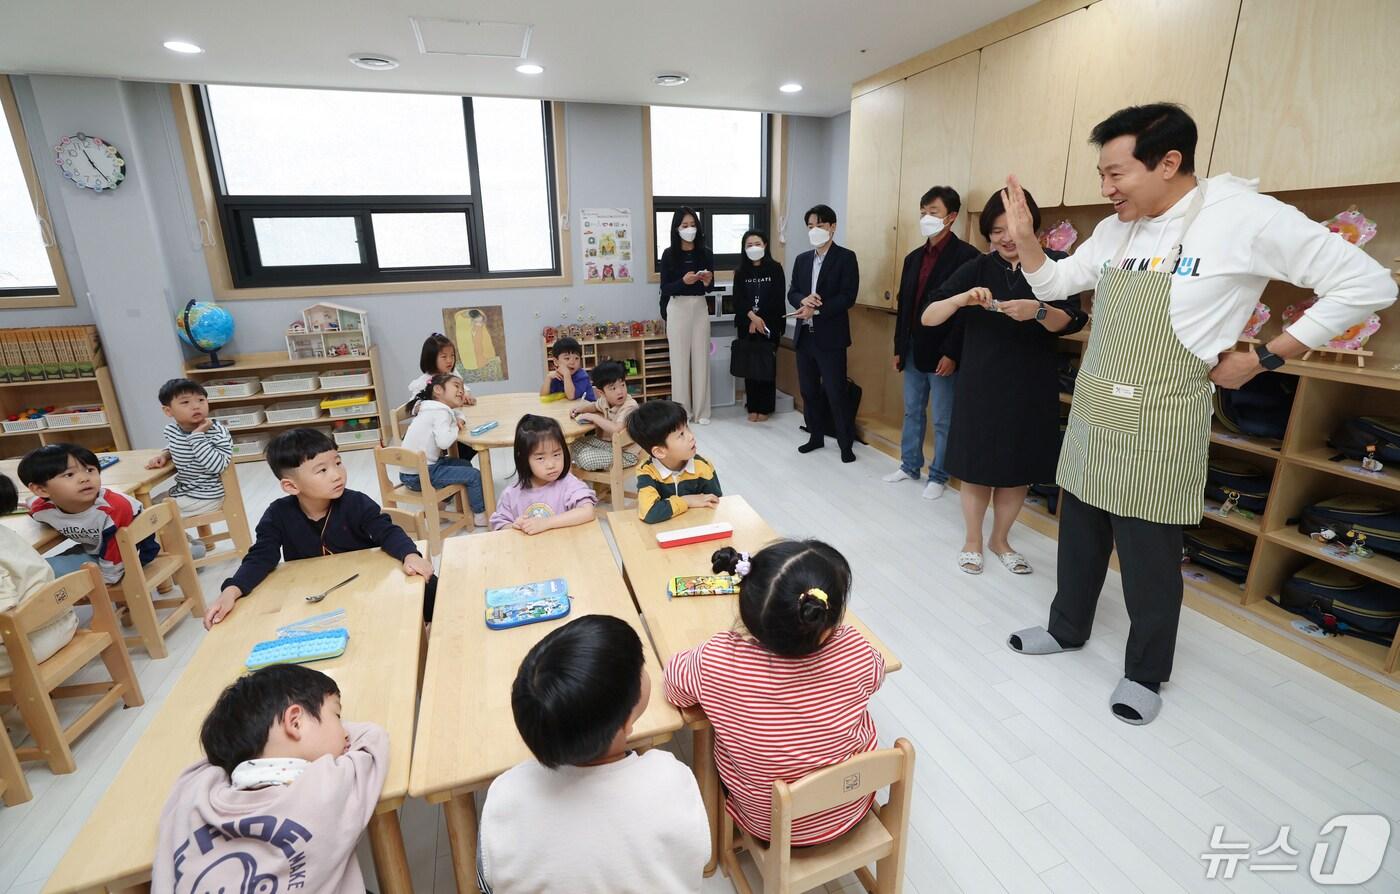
1227,476
1355,514
1260,408
1219,550
1341,602
1358,433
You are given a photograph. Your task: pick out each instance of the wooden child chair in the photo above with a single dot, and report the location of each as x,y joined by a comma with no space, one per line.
13,787
173,563
33,685
439,521
398,424
411,522
235,518
881,838
615,476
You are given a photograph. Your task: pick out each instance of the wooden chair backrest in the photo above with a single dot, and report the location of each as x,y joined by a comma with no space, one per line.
841,783
51,600
397,418
410,461
151,520
411,522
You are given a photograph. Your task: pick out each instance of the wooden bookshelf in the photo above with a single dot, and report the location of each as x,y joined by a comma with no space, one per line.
272,363
651,353
16,397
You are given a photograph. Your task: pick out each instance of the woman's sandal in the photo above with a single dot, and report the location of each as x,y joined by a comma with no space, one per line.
970,562
1014,562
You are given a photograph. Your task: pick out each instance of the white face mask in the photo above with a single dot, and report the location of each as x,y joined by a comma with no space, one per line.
818,237
755,252
930,225
687,234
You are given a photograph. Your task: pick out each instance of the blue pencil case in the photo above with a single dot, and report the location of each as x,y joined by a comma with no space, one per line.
545,600
299,649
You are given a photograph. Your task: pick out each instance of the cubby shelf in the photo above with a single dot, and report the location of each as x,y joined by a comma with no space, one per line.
651,353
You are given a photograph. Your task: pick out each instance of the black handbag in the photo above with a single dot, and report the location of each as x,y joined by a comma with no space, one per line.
753,358
1341,602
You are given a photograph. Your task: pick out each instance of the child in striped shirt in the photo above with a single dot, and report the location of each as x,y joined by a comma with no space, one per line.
199,445
789,693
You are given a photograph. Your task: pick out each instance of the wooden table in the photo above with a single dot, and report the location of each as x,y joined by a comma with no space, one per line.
377,676
680,624
507,409
466,729
130,476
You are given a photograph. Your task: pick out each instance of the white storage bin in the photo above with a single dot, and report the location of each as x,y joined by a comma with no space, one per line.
356,411
356,436
23,425
239,417
289,383
242,387
77,416
249,445
345,378
294,410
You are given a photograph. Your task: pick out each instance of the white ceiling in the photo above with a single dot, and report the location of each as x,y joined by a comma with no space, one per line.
736,52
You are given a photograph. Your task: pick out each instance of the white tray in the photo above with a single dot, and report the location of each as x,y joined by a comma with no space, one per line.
345,378
358,436
235,418
64,419
232,387
294,410
289,383
22,425
355,411
249,445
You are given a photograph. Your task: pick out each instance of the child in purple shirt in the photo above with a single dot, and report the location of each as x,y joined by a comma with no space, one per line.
545,495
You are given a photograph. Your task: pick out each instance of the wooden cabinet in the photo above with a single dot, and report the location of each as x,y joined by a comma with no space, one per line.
1025,103
1311,100
872,190
939,110
1141,51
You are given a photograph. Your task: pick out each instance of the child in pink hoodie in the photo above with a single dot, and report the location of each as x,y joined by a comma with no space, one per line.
283,797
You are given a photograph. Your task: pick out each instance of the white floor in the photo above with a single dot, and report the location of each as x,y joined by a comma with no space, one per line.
1025,781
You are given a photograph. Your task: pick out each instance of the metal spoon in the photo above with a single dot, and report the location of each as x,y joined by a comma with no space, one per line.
319,596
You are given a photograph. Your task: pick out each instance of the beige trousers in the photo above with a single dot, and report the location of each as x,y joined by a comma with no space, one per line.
688,333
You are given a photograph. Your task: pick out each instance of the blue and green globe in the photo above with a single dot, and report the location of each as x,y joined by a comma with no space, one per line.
206,327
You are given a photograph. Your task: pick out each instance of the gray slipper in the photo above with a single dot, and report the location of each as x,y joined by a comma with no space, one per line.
1038,641
1138,697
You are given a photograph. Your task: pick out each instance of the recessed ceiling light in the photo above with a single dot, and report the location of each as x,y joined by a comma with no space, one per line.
529,68
374,62
182,46
791,88
674,79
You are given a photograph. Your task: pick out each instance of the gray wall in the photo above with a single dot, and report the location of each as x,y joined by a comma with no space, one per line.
134,258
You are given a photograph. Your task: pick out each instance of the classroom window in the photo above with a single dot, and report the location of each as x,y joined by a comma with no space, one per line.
30,270
321,187
715,161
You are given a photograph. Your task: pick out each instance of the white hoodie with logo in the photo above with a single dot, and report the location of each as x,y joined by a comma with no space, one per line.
1240,241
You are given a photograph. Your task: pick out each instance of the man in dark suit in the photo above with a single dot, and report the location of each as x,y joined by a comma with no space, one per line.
824,331
928,355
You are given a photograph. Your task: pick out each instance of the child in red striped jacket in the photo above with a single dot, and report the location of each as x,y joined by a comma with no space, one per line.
788,694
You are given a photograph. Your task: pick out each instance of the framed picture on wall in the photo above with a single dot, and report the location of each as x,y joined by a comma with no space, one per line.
480,336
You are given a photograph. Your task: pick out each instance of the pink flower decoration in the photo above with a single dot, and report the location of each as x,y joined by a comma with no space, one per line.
1060,237
1355,337
1353,226
1256,321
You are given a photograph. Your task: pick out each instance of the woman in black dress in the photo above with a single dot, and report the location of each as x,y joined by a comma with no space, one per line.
1004,433
759,289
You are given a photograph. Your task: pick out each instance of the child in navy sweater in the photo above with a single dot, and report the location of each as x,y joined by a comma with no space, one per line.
319,517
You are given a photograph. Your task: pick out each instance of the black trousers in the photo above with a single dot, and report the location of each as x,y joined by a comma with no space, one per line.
821,377
1149,557
760,397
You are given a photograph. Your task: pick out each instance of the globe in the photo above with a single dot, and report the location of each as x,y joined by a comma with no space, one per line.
207,327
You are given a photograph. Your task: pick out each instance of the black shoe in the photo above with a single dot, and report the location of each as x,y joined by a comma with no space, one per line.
814,444
848,455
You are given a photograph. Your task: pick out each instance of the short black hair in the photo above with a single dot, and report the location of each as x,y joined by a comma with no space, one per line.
530,432
795,591
43,464
566,345
607,372
291,448
945,194
996,207
654,421
823,212
576,688
176,387
237,727
9,495
432,346
1159,128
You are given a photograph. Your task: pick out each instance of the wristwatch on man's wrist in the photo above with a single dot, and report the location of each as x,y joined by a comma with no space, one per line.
1267,358
1041,312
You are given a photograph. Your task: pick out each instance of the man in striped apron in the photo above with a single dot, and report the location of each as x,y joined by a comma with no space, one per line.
1133,466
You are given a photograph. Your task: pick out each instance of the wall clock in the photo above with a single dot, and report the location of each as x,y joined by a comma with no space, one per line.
90,162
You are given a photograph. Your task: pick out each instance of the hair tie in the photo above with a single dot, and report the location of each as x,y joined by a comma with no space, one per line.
819,594
743,566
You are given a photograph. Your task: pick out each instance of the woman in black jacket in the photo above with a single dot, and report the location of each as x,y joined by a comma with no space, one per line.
687,271
759,290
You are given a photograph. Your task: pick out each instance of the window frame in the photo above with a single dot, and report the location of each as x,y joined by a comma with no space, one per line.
225,222
61,293
759,209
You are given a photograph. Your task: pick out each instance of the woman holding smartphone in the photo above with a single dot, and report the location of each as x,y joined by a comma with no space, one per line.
687,271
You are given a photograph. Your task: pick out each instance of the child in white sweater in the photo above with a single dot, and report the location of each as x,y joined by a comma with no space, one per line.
23,570
434,429
587,815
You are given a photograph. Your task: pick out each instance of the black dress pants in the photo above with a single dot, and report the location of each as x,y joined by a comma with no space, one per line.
1149,558
821,377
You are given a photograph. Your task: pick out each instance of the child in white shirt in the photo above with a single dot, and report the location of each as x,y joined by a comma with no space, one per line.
434,429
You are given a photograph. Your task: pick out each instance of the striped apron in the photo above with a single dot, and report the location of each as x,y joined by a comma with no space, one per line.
1139,422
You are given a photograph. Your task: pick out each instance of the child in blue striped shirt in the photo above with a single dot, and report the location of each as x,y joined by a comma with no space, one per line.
199,446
